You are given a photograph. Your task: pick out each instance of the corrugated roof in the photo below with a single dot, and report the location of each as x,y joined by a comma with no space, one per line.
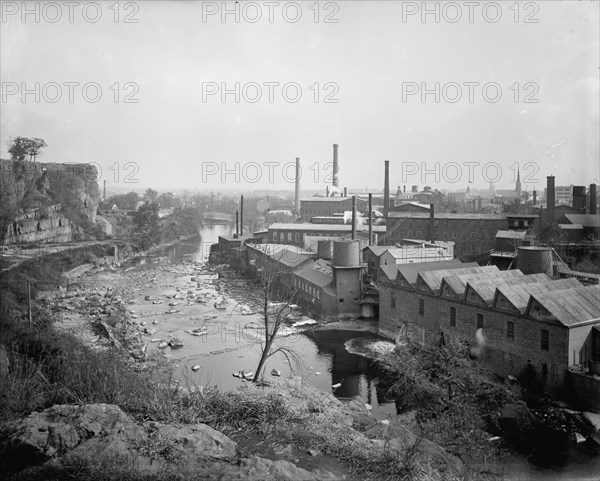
519,295
587,220
433,279
410,272
572,306
486,288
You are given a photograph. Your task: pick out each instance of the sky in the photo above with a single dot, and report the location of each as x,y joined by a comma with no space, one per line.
147,91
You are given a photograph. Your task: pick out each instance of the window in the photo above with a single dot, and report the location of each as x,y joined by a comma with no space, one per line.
418,234
510,330
297,237
544,340
281,236
393,301
421,307
479,321
454,235
341,300
453,316
289,237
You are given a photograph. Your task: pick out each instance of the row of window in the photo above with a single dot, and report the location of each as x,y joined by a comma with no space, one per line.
308,288
510,325
445,235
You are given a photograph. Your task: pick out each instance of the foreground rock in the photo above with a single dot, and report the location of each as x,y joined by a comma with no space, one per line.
103,435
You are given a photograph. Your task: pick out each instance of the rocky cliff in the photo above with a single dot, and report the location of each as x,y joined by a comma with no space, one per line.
46,202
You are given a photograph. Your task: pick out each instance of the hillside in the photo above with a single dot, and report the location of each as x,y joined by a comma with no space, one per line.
46,202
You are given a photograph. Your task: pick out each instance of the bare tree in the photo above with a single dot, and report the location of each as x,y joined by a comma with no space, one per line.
274,300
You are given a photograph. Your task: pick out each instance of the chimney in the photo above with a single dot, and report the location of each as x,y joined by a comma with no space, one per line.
242,215
534,197
386,190
104,195
550,200
345,191
432,222
336,167
353,217
237,223
593,199
327,191
404,189
370,219
579,197
297,198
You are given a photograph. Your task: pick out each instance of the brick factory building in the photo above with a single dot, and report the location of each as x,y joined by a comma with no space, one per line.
535,327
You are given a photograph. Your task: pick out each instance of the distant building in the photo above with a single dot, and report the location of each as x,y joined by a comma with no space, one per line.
294,234
328,206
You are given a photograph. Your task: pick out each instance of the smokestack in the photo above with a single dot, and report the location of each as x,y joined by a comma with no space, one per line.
404,189
534,197
345,191
336,167
104,195
593,199
579,199
327,191
237,222
242,215
297,186
386,190
353,217
550,200
370,219
432,222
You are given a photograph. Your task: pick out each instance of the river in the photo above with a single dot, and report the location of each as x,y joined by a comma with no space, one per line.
326,363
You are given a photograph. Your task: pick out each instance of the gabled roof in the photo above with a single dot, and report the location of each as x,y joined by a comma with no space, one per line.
587,220
570,306
485,289
410,272
458,284
390,271
518,295
377,250
290,256
433,279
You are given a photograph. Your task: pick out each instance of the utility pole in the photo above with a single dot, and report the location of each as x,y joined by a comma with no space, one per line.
29,296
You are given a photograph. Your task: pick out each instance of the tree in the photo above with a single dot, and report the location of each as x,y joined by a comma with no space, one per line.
150,195
146,224
552,235
20,147
275,286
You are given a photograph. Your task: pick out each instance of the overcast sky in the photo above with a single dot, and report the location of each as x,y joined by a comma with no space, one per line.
375,52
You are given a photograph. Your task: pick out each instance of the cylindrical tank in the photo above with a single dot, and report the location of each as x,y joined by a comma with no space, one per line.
346,253
325,249
535,260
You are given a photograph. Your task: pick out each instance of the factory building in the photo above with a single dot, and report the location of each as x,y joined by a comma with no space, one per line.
535,327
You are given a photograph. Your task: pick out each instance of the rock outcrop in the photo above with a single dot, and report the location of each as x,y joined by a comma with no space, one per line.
46,202
102,433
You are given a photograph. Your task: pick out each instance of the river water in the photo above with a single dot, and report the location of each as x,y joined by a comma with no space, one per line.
326,363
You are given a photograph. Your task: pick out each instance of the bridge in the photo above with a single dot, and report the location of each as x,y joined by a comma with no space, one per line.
217,217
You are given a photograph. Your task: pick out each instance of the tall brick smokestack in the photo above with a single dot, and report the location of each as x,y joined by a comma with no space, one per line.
241,215
593,197
370,219
297,192
550,200
336,166
432,222
353,217
386,190
534,197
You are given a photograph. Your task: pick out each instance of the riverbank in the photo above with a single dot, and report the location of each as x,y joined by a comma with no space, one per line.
309,434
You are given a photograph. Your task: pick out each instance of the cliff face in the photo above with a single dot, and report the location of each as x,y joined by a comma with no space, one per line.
46,202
